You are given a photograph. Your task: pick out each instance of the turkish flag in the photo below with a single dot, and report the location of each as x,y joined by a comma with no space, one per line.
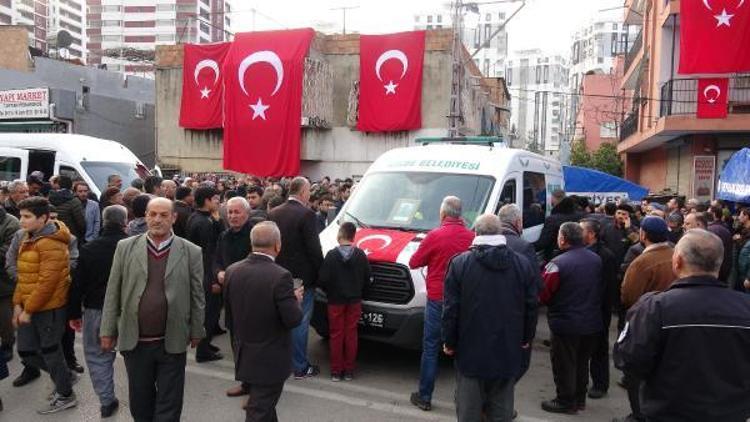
202,85
713,94
390,82
263,105
714,35
381,244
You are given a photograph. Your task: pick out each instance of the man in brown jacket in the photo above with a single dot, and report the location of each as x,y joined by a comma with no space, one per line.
651,271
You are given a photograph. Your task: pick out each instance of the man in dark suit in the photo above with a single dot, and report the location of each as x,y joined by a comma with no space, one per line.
302,256
262,308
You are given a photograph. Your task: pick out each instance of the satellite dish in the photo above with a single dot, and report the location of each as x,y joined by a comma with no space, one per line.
64,39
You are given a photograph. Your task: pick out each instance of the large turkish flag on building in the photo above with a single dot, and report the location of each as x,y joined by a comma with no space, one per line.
713,94
263,104
390,82
202,85
714,36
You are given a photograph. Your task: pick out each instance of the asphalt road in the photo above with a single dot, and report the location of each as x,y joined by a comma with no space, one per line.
380,391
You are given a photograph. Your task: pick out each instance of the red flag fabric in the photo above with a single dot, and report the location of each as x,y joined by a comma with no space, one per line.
713,94
263,105
714,35
202,85
390,82
381,244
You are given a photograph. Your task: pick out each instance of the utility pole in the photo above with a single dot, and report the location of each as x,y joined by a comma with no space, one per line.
343,10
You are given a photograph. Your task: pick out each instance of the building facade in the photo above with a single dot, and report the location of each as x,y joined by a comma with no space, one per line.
665,146
331,145
491,52
538,84
45,20
123,34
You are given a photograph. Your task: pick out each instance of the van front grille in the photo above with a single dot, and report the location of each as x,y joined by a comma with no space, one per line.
391,284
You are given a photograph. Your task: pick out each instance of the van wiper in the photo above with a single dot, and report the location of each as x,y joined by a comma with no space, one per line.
357,220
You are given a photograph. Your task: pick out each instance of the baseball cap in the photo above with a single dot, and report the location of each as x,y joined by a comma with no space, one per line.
654,225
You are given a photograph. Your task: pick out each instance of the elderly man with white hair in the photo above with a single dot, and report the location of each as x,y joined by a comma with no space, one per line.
435,252
489,289
689,344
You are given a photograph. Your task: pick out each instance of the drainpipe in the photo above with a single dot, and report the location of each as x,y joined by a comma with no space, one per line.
68,123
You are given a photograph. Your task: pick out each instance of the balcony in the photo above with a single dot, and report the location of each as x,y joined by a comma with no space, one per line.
679,97
635,48
629,126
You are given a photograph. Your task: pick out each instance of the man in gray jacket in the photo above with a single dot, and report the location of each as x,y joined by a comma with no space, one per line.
8,227
153,309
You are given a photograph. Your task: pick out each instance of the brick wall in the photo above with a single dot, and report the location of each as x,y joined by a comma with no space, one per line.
14,50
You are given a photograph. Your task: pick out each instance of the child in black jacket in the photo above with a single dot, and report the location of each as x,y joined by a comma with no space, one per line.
344,275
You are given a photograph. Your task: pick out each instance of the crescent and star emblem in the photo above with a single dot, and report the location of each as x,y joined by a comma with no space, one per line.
265,56
382,237
712,88
206,63
399,55
724,18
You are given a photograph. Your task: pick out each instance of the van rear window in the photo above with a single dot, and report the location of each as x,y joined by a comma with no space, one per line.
10,168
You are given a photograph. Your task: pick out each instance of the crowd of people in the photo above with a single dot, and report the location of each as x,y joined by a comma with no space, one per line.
146,270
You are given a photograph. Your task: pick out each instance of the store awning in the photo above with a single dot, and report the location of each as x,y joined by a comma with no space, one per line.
600,187
33,126
734,181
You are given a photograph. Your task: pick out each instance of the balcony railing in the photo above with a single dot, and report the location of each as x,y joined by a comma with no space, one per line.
680,96
629,126
634,49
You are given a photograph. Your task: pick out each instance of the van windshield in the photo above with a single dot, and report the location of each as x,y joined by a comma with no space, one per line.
99,171
408,200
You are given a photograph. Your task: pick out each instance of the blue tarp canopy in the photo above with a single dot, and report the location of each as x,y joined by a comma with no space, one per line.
599,186
734,181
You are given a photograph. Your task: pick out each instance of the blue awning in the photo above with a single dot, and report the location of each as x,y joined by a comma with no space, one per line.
734,181
599,186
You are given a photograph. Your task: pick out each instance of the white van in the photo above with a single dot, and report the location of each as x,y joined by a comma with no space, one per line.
403,190
78,156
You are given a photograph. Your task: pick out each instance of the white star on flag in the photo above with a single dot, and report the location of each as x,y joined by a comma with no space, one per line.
723,19
204,92
390,88
259,110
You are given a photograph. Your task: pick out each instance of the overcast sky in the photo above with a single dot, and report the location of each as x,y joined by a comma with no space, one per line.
546,24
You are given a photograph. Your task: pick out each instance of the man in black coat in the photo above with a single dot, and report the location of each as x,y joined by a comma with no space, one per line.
599,365
489,318
565,211
689,344
263,308
203,229
88,289
183,206
69,209
301,255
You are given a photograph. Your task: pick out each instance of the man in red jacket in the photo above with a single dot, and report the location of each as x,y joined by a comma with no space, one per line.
435,252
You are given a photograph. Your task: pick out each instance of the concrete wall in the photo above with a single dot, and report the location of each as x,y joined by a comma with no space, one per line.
337,151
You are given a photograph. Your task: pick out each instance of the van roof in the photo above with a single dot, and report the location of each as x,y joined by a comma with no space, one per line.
78,147
467,159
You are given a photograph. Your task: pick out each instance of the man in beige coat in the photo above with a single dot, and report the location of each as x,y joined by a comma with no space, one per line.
153,309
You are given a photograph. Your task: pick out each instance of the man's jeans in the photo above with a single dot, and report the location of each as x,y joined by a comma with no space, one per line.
39,346
431,342
475,397
299,334
100,364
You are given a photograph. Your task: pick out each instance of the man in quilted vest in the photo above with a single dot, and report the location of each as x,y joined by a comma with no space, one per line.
41,297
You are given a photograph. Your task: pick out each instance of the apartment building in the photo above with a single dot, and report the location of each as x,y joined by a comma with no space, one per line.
664,144
491,52
538,84
45,20
123,34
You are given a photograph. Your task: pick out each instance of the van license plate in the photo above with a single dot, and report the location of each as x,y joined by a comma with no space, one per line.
372,319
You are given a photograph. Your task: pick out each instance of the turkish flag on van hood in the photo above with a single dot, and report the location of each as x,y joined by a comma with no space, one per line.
712,98
263,106
382,244
390,82
202,85
714,36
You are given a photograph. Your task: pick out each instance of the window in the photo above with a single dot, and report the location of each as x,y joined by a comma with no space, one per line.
165,37
509,76
477,37
164,7
534,199
508,195
608,130
111,23
488,17
111,38
165,22
600,60
538,71
429,18
70,172
546,73
111,8
502,17
416,19
487,33
429,27
614,26
10,168
439,18
486,69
